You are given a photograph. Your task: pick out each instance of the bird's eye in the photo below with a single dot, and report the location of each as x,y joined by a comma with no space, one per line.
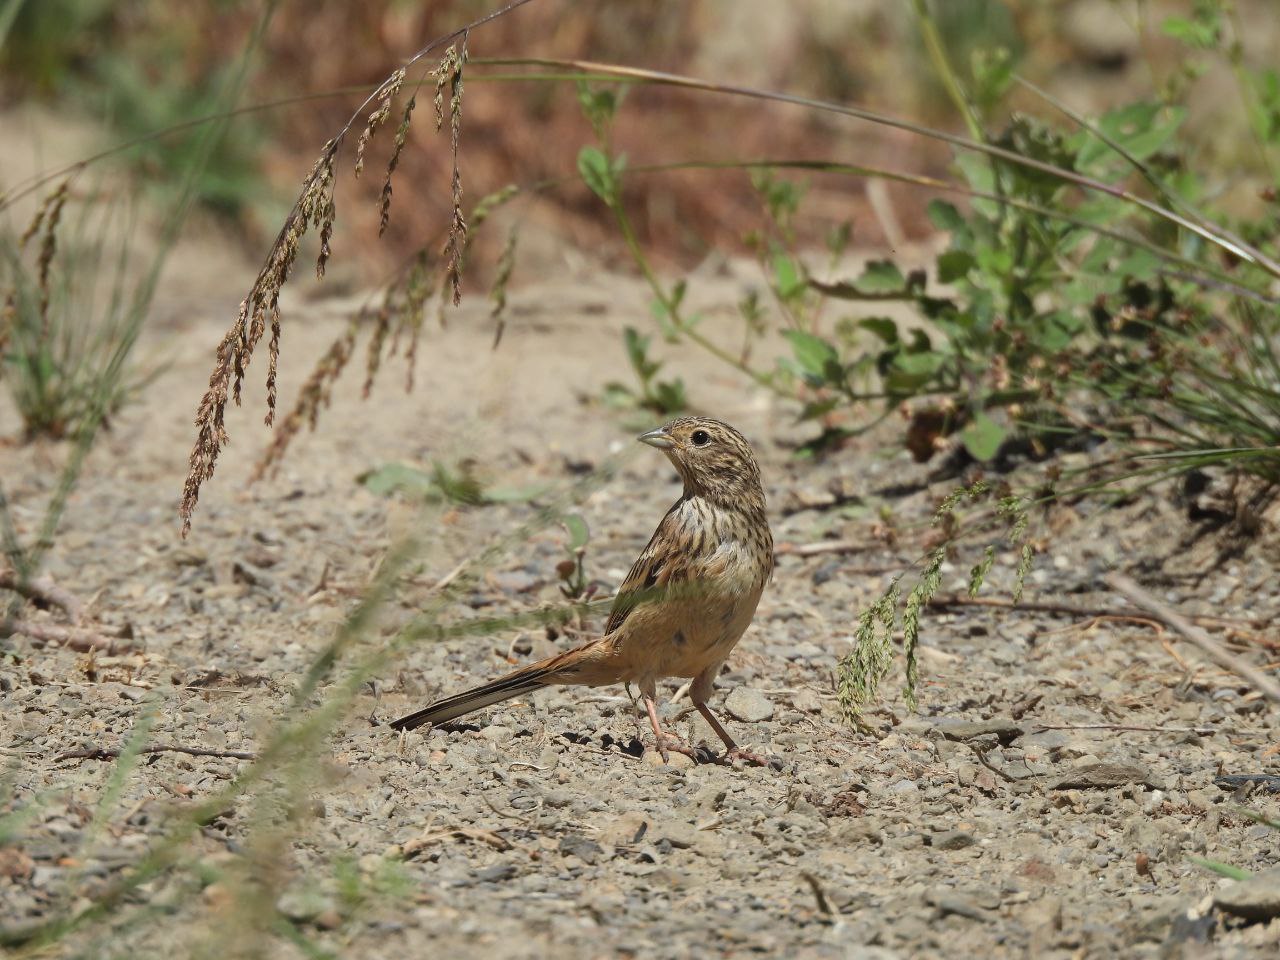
700,438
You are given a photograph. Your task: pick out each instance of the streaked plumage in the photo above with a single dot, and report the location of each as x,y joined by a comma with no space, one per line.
688,598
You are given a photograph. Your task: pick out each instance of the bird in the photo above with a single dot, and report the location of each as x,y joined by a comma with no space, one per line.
684,605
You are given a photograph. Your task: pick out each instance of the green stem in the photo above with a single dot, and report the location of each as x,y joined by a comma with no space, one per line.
673,309
937,54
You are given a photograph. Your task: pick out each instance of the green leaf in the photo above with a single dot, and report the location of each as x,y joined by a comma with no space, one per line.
992,74
1203,31
788,277
1221,869
397,478
811,353
669,396
1139,129
982,437
818,409
637,352
511,494
618,396
945,216
911,371
881,276
954,265
598,174
578,531
882,327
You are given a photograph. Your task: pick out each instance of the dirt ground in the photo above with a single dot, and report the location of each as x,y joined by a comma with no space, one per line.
985,824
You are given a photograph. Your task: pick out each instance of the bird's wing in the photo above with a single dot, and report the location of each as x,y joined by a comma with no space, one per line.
660,562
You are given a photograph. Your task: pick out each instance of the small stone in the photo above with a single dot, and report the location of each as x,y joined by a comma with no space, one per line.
962,906
748,705
675,760
806,701
953,840
303,905
496,874
1096,775
496,733
588,851
1006,731
1257,898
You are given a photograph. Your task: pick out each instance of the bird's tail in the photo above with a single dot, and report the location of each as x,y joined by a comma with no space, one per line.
563,668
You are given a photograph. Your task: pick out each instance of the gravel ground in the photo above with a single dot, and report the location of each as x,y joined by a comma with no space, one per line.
1044,800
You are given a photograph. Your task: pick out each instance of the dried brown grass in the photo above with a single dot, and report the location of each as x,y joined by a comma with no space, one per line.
316,209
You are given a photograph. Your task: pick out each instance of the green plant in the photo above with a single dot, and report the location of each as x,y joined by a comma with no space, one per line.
69,314
71,369
574,583
663,397
457,484
1228,870
860,672
133,65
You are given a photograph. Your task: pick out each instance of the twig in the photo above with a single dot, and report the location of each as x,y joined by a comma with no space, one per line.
1211,648
819,895
822,546
944,600
982,759
452,575
111,753
76,638
1199,731
44,589
412,848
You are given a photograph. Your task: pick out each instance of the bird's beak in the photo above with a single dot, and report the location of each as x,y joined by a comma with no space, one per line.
657,438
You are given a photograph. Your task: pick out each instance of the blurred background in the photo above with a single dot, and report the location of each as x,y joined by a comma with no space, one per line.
117,70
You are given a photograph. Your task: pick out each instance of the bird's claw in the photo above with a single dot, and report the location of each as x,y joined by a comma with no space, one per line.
752,758
669,743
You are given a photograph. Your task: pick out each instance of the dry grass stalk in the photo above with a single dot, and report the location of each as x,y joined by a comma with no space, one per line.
449,75
498,292
402,134
8,318
45,223
386,93
417,292
43,590
315,208
80,639
314,395
479,214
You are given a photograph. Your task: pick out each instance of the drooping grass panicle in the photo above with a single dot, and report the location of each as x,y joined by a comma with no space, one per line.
449,76
386,93
381,328
917,600
402,135
45,222
313,396
398,319
315,208
498,292
861,671
413,310
978,575
479,214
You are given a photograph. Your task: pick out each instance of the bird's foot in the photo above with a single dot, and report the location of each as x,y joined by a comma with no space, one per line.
738,754
667,744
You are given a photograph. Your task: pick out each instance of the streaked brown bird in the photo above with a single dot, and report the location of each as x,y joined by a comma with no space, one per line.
687,600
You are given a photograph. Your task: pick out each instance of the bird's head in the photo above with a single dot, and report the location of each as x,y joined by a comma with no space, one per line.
713,459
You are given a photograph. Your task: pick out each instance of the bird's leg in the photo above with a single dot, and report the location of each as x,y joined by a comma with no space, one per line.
732,750
700,693
663,741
